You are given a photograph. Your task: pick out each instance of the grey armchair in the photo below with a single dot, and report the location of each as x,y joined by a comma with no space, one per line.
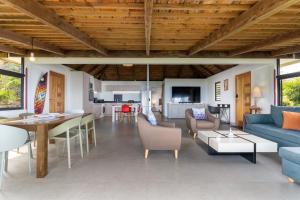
163,136
212,122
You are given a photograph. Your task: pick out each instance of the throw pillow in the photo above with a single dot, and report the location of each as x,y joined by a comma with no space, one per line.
199,113
291,120
151,118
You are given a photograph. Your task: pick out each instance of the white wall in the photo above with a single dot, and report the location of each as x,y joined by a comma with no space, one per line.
35,71
169,83
262,76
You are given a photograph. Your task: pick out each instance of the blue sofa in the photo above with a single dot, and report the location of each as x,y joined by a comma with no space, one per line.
290,157
269,126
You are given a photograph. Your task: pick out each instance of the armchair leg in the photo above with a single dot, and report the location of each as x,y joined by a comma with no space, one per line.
146,153
195,135
290,180
176,154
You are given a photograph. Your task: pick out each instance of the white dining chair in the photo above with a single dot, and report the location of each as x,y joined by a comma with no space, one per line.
88,122
65,132
12,138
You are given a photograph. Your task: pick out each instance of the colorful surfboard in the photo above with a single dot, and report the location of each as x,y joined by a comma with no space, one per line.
40,95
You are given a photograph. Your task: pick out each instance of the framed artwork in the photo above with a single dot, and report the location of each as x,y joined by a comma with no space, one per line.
225,84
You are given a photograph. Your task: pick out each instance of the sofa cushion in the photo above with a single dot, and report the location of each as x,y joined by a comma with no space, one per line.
203,124
290,153
276,112
274,131
291,120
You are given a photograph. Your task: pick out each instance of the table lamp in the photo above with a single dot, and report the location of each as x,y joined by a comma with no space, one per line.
256,94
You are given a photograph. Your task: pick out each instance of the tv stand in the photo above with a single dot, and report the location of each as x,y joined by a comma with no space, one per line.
177,110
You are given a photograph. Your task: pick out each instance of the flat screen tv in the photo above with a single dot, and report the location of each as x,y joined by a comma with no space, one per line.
186,94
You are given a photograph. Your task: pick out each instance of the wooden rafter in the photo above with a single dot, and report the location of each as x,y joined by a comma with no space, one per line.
28,41
96,70
10,49
47,16
179,71
101,72
268,42
287,50
148,4
197,71
261,10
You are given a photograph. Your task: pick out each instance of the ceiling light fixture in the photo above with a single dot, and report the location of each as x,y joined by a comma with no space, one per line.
32,58
127,65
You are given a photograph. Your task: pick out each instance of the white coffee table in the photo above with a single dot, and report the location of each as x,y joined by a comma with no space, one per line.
237,142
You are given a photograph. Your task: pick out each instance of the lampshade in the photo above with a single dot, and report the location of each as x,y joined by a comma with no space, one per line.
257,92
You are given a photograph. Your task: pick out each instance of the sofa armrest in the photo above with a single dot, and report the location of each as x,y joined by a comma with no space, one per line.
258,119
166,124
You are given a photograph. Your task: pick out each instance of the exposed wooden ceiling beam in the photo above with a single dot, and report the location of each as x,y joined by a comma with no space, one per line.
10,49
25,40
219,68
139,6
207,71
293,35
261,10
285,51
47,16
148,6
92,68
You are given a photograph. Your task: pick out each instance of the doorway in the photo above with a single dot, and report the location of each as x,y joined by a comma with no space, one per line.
57,93
243,96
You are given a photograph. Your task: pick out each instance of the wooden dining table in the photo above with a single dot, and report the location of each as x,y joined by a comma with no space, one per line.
41,127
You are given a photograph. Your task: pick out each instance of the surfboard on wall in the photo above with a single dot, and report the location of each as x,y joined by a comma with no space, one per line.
40,95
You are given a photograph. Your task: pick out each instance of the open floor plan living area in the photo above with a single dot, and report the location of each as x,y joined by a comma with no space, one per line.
154,100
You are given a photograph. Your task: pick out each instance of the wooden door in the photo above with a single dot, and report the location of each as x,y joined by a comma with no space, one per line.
57,93
243,96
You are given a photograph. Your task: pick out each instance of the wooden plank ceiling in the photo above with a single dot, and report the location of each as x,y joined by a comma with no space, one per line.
142,28
191,27
157,73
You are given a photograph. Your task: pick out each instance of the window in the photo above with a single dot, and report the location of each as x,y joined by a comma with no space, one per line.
11,83
288,82
218,91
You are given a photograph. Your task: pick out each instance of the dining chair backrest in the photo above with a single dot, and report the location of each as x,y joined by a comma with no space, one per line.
87,119
12,137
64,127
23,115
125,108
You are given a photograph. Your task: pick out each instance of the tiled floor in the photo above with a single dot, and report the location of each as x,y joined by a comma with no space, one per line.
116,169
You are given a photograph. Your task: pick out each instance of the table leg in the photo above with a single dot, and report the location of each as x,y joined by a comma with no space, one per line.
42,151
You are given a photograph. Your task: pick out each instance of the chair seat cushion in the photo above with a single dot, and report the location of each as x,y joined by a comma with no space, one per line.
290,153
203,124
273,131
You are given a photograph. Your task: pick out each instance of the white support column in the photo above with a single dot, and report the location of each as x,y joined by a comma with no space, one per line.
148,89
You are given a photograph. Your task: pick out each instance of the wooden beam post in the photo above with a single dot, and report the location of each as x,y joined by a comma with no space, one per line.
25,40
260,11
49,17
148,6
